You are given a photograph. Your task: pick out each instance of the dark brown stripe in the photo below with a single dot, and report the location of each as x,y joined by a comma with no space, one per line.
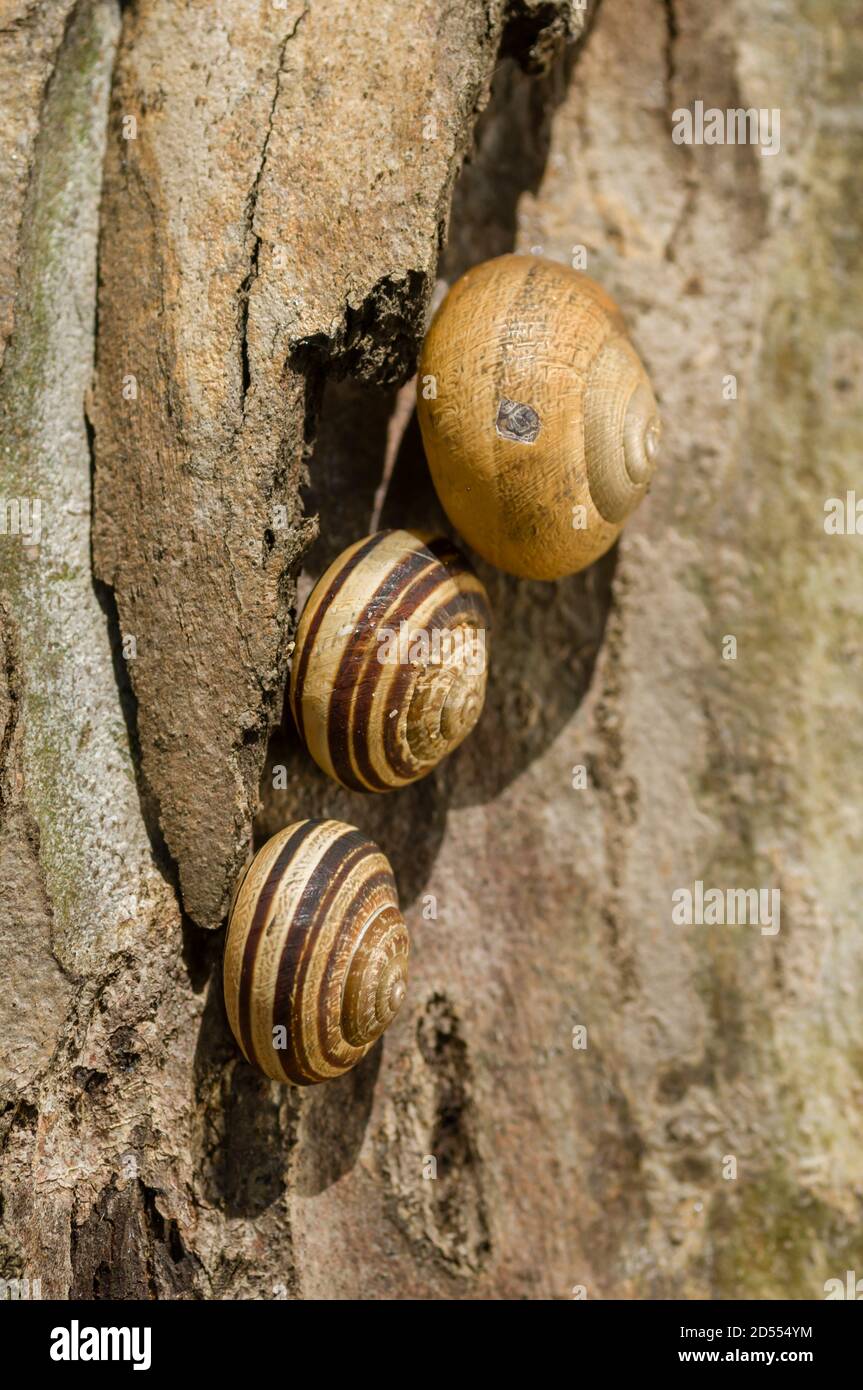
318,892
323,604
400,577
259,917
381,879
413,598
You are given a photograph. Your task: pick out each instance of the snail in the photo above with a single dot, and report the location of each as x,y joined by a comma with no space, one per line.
390,662
538,419
316,952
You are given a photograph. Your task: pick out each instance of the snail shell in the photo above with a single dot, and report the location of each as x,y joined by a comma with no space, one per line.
390,662
539,404
316,952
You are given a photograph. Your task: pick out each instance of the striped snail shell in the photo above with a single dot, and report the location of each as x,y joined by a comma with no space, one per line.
538,419
389,667
316,952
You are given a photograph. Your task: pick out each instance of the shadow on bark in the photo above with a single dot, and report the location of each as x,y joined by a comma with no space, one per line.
368,470
244,1137
334,1119
250,1131
542,654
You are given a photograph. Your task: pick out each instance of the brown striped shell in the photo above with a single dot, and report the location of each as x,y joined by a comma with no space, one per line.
316,952
537,417
390,663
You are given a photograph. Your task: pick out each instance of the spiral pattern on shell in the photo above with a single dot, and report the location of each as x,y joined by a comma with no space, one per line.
390,662
316,952
532,402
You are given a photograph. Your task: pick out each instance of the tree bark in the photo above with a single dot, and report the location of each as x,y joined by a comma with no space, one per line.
224,225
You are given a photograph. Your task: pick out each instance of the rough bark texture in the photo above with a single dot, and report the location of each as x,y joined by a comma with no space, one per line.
268,244
276,218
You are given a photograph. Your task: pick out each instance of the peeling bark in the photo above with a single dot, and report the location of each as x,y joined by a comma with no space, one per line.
265,228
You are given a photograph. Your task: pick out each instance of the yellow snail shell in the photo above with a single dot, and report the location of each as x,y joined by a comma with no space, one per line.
390,663
316,952
532,402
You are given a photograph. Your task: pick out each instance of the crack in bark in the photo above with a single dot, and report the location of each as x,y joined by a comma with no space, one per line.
672,32
251,205
533,31
672,36
10,676
376,341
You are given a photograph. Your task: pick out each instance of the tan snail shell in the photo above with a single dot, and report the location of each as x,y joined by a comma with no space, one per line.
533,404
316,952
390,662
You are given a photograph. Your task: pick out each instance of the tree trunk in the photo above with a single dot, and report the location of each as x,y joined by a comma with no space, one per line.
223,226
